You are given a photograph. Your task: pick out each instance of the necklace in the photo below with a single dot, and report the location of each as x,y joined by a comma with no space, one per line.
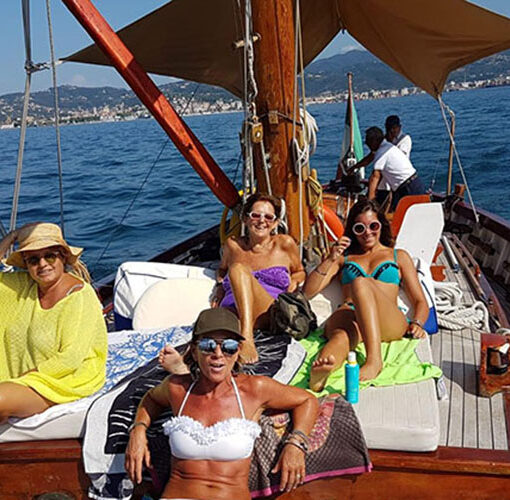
260,247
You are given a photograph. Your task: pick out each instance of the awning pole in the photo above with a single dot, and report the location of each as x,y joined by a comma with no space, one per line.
181,135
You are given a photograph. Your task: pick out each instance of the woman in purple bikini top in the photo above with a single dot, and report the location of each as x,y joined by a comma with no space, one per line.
256,268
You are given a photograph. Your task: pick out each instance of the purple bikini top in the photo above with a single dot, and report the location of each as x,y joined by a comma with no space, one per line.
273,279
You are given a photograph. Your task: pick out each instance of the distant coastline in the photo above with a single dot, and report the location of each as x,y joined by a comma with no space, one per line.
123,113
325,79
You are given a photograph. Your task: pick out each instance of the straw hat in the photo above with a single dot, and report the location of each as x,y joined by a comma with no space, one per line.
38,236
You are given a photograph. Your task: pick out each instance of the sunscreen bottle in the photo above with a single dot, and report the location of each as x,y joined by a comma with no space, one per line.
352,378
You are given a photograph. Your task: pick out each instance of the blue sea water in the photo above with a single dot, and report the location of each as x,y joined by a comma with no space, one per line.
105,164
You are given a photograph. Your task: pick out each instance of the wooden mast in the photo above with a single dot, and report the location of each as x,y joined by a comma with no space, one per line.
274,72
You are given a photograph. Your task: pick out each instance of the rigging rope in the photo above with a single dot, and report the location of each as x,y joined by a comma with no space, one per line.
57,115
443,106
112,234
26,99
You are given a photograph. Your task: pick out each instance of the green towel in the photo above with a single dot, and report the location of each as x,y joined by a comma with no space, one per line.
400,365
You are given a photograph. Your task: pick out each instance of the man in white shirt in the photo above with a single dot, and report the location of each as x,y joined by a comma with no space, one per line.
403,142
391,166
395,135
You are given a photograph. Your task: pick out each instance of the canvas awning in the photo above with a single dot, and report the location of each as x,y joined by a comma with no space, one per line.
423,40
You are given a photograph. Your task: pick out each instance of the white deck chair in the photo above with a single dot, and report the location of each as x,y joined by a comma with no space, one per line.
421,230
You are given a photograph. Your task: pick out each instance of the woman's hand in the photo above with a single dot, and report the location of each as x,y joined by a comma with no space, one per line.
217,295
338,249
416,331
291,464
137,453
294,285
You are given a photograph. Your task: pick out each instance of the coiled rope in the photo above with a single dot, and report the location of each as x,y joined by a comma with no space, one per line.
452,314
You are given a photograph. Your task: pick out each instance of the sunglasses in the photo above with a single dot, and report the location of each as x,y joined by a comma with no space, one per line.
261,215
49,257
359,228
228,346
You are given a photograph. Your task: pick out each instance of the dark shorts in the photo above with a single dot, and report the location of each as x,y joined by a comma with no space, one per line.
413,187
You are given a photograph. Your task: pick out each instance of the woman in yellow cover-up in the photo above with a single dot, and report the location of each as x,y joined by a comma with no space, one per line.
53,343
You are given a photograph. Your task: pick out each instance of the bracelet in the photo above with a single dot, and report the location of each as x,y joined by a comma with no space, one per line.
136,424
416,322
297,445
320,272
301,434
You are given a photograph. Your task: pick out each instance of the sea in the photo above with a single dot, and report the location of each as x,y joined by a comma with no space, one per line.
128,193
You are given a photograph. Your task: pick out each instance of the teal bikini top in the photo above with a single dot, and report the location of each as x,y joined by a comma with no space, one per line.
386,271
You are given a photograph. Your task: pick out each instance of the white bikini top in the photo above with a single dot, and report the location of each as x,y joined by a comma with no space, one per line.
226,440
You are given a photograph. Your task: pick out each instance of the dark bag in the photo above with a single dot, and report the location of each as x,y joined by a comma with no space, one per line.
292,314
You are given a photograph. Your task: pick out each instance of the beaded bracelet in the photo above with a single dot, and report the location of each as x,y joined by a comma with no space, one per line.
301,434
297,445
298,440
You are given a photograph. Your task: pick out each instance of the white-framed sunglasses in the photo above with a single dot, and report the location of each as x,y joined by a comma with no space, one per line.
262,215
359,228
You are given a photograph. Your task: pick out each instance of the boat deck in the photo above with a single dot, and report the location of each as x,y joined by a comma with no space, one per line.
467,419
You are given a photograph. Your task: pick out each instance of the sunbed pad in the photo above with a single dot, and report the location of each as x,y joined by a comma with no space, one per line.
398,410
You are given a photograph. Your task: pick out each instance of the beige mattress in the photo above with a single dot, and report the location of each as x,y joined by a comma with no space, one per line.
401,417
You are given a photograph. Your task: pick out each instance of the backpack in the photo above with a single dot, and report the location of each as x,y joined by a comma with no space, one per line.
292,314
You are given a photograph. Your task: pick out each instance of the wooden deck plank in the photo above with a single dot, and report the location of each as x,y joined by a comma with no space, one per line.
456,422
470,437
444,406
499,434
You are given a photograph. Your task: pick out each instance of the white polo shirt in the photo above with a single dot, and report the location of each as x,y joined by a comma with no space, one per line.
393,164
404,143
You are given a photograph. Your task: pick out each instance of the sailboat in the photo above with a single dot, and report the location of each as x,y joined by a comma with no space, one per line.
256,50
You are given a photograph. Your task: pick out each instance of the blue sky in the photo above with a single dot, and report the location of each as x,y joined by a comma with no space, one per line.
70,36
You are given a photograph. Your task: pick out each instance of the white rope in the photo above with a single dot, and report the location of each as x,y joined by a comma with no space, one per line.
442,106
452,314
57,115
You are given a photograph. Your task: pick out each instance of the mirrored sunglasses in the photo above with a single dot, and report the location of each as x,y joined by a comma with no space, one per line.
359,228
228,346
260,215
49,257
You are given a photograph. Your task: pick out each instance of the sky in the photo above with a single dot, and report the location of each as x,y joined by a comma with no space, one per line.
69,36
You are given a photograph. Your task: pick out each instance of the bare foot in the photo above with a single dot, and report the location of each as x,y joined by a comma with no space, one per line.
321,369
172,361
370,369
249,352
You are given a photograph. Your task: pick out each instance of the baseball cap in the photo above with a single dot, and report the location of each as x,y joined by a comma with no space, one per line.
217,319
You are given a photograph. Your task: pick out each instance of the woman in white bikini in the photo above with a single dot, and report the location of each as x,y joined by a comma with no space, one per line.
217,409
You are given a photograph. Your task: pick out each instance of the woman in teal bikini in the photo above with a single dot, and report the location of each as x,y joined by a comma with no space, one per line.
370,275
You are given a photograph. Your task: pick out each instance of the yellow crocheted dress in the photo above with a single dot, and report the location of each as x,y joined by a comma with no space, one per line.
65,345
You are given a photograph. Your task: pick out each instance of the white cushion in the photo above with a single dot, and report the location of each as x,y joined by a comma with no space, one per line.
421,230
172,302
133,279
